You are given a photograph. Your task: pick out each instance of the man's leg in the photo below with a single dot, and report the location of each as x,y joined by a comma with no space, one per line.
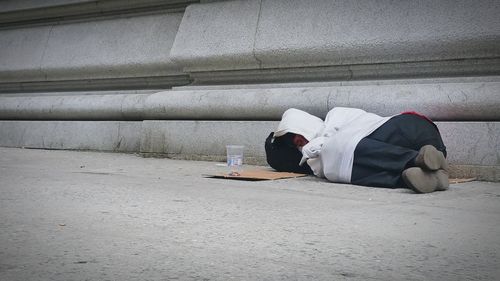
380,164
380,158
410,131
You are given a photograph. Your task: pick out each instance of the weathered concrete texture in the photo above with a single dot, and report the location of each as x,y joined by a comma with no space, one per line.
107,84
347,73
79,93
316,84
73,107
237,104
452,101
285,33
473,143
19,12
347,32
136,46
217,33
473,147
468,143
108,216
205,139
78,135
472,100
19,5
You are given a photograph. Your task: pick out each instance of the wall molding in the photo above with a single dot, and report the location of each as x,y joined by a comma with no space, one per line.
80,10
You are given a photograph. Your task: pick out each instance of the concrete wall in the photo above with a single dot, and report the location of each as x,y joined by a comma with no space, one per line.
474,147
466,101
70,54
128,47
76,45
75,135
181,78
283,33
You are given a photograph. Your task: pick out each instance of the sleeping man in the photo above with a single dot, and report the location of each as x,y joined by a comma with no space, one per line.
357,147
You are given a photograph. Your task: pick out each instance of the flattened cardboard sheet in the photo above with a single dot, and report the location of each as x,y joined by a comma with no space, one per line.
452,181
257,175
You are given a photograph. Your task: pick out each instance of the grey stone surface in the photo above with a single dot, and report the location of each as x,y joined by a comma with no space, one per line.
472,143
77,93
451,101
28,12
474,146
74,135
205,139
17,5
297,34
245,42
114,48
468,143
357,72
99,5
74,107
238,104
472,100
105,84
217,34
21,53
443,80
108,216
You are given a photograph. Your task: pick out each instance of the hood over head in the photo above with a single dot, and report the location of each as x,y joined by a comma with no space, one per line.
299,122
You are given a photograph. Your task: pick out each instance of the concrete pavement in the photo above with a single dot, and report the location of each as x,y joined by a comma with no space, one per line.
68,215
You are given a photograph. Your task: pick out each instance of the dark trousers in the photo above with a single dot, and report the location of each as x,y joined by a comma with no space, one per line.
381,157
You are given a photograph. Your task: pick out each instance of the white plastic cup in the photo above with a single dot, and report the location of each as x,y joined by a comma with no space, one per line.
234,159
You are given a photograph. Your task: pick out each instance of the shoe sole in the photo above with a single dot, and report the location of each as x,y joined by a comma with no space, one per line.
430,158
422,181
443,180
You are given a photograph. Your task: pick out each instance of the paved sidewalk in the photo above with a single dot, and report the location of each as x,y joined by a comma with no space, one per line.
100,216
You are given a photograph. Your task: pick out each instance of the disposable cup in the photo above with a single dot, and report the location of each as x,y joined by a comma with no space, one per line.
234,159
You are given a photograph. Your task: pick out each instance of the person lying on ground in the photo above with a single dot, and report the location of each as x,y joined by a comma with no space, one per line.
361,148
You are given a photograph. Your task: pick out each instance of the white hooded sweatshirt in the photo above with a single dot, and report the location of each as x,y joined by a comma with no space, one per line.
331,153
299,122
302,123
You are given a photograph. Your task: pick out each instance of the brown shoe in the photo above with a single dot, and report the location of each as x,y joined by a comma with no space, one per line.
422,181
429,158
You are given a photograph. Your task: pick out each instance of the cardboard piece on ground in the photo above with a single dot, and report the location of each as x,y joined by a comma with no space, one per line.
452,181
257,175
